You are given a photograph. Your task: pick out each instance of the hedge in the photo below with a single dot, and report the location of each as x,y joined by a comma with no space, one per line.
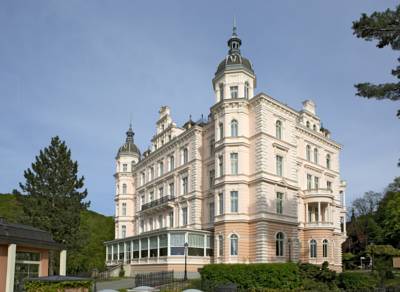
38,286
254,276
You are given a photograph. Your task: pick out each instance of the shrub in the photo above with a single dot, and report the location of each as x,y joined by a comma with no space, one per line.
41,286
252,276
356,281
319,275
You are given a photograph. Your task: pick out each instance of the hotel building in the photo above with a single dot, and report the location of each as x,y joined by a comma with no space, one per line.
255,182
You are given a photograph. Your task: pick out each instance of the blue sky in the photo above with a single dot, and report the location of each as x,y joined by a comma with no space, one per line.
80,69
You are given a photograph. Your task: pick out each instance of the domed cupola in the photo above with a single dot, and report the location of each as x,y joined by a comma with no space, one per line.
235,77
129,148
234,60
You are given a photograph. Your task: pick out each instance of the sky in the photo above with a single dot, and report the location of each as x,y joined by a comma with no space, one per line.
83,69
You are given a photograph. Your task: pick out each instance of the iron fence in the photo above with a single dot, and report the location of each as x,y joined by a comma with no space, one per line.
154,279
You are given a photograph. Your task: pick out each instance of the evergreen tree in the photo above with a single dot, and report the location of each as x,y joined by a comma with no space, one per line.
52,196
385,28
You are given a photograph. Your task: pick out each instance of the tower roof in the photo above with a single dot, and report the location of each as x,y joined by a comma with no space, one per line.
129,147
234,60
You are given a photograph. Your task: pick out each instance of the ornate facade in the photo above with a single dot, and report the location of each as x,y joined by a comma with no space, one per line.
255,182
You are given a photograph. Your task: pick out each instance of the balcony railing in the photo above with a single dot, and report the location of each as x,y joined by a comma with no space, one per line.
157,202
319,224
318,192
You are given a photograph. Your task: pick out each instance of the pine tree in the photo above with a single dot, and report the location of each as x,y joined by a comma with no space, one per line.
52,196
385,28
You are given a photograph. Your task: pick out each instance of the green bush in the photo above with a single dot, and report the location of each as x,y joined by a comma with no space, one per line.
38,286
356,281
253,276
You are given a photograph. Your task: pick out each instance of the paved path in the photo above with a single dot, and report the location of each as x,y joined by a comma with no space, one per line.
117,284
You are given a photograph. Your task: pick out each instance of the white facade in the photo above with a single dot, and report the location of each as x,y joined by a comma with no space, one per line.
256,182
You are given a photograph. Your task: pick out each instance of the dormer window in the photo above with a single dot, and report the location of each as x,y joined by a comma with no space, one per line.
234,92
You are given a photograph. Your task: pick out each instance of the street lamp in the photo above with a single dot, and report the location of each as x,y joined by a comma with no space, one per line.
186,252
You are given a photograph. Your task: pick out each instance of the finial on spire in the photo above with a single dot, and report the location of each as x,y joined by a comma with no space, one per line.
234,26
130,133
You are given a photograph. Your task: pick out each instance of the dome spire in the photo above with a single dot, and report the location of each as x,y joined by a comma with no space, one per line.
130,134
234,27
234,42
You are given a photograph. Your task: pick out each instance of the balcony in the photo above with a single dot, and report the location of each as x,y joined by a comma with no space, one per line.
158,203
319,193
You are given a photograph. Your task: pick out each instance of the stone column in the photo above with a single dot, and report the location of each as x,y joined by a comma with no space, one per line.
63,262
307,218
12,248
319,212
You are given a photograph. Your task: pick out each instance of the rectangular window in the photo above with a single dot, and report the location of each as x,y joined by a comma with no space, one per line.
142,199
279,165
309,181
221,203
221,165
316,182
196,244
342,224
329,185
151,197
171,189
234,91
211,178
151,223
163,245
135,249
177,243
161,168
279,203
221,131
123,209
171,219
142,225
144,248
153,247
185,156
171,163
143,178
211,212
124,167
185,186
184,216
212,143
234,163
151,173
234,201
123,231
160,221
160,192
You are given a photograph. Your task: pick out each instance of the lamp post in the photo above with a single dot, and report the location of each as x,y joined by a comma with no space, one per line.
186,252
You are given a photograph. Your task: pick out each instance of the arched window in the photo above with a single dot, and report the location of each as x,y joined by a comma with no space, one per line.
234,128
124,189
221,91
279,244
325,248
220,245
278,129
308,152
315,155
313,248
221,131
328,161
246,90
308,124
234,245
